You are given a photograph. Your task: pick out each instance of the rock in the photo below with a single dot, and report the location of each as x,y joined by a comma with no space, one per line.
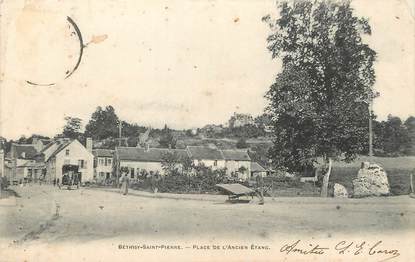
340,191
371,180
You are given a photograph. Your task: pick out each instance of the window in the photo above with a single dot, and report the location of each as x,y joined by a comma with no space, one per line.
81,163
215,163
101,174
132,172
109,162
67,152
101,161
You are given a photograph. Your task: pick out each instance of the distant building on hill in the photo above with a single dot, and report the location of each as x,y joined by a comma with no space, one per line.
211,130
238,120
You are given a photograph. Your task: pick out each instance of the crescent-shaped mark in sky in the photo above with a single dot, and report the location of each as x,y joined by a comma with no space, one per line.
81,49
81,45
36,84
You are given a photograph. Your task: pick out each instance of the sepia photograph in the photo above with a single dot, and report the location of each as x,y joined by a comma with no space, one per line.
207,130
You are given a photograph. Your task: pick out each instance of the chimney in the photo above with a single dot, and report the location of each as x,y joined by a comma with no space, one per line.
89,144
1,162
35,140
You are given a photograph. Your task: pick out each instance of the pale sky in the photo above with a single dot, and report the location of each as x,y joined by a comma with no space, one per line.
183,63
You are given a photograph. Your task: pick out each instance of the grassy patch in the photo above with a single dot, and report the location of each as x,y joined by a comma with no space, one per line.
398,170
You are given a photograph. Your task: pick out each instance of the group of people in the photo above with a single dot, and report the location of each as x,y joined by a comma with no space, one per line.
124,182
56,181
68,179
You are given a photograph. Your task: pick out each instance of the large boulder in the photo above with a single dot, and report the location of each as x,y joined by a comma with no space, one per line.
371,181
340,191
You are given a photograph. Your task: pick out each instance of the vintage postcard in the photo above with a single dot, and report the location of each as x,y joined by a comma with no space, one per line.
207,130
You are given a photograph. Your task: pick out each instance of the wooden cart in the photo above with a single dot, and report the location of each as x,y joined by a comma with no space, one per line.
236,191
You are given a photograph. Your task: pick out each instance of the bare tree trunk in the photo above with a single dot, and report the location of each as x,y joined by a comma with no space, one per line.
324,187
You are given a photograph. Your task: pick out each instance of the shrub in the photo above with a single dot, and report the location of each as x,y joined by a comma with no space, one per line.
201,180
241,143
4,182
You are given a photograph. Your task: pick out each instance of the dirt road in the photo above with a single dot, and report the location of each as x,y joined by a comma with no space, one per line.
44,214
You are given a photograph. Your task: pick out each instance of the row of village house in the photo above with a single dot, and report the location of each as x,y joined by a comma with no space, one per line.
47,160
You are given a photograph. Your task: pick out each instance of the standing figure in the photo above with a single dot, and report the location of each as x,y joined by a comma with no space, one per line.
154,181
260,189
125,181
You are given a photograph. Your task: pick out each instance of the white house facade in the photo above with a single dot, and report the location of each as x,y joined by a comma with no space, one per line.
104,164
69,152
237,163
209,156
143,160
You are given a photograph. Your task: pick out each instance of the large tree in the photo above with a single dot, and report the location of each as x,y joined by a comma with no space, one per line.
395,136
410,128
167,139
318,103
103,124
72,128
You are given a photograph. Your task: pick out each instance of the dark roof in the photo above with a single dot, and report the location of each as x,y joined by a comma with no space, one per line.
61,146
240,155
32,164
143,155
103,152
255,167
203,152
29,151
47,146
45,141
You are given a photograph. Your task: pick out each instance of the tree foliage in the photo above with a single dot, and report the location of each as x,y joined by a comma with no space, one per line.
263,120
410,131
241,143
317,103
103,124
167,139
173,163
170,162
394,137
72,128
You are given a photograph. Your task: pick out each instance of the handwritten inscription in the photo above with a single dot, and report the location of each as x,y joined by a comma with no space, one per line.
312,249
341,248
377,249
